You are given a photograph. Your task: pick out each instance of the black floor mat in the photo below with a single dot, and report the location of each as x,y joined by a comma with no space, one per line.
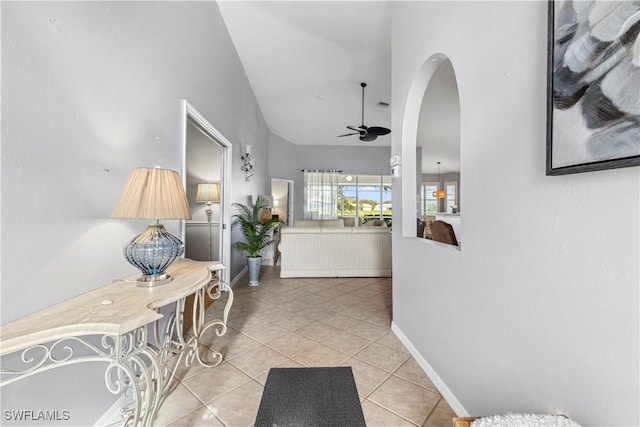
306,397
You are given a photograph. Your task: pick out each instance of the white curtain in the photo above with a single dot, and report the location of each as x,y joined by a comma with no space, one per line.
320,194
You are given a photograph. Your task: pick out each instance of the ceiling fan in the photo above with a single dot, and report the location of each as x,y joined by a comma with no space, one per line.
367,134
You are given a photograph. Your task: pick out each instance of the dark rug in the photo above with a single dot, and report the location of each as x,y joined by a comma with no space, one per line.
297,397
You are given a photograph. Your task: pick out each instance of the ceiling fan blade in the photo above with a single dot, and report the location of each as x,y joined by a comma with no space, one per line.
349,134
368,137
377,130
357,129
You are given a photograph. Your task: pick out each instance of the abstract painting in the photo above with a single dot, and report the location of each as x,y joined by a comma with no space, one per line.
593,99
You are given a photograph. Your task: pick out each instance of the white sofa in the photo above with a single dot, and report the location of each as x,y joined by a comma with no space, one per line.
328,249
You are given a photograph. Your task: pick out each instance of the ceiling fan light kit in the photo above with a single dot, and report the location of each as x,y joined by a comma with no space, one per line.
367,134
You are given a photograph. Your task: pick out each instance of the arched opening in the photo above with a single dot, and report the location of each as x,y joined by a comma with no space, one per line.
431,148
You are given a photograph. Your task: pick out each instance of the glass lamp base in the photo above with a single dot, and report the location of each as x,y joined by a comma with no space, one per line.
152,251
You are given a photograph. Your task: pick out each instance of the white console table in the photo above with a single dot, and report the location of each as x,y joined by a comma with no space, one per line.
119,323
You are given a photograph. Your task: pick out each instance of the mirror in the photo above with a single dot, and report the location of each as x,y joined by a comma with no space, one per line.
207,157
282,193
203,160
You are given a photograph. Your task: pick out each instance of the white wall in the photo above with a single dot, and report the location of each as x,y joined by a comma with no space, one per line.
539,310
282,158
100,90
91,90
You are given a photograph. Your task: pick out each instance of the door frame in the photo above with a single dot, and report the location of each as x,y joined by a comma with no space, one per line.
189,112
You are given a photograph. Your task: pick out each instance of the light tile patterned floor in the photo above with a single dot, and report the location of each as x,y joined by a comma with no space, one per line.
306,322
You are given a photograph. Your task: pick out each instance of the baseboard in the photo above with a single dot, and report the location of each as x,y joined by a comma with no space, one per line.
113,416
238,276
431,373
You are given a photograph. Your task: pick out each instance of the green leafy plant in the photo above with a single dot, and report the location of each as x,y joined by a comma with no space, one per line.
257,235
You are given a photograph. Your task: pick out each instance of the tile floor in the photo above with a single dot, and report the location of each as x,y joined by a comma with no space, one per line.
306,322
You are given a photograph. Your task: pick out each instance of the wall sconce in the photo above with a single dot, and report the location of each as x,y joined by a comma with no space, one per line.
247,163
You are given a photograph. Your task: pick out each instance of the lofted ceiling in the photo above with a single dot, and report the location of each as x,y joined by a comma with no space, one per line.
305,61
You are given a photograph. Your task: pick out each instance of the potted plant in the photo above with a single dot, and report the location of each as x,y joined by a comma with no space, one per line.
257,234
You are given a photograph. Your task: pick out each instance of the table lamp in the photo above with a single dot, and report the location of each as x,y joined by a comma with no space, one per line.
153,193
208,193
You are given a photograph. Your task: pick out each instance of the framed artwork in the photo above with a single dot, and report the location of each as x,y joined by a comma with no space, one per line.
593,85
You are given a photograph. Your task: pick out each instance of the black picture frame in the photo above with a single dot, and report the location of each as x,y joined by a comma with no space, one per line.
569,92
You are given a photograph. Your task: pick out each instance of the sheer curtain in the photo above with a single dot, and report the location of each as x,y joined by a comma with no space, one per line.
320,194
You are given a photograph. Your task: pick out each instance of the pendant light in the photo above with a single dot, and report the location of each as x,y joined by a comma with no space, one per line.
439,194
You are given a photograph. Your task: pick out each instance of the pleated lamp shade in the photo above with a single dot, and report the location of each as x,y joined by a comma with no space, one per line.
209,192
153,193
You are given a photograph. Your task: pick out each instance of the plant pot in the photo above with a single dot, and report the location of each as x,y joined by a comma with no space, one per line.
253,265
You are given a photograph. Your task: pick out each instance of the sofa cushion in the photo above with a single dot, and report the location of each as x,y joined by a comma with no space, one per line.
375,223
306,223
372,230
301,230
349,221
331,223
337,230
319,223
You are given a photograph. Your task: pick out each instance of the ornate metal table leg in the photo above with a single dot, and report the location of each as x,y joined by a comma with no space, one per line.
133,368
219,325
186,350
142,377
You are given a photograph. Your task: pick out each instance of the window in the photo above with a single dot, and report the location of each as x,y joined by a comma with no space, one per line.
452,196
320,194
365,197
428,203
